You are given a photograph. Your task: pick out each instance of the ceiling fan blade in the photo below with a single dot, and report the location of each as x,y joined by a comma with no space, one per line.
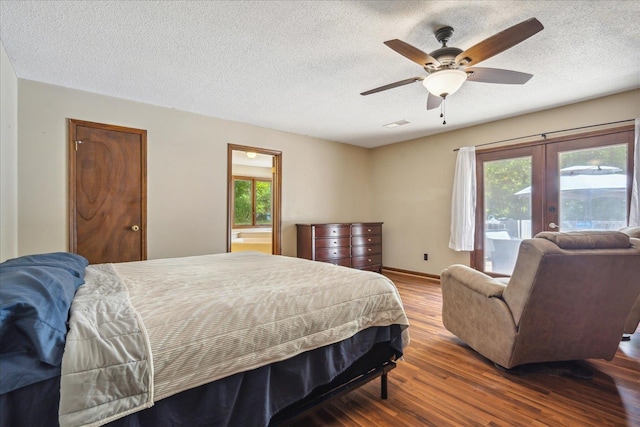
413,53
433,101
499,42
497,75
392,85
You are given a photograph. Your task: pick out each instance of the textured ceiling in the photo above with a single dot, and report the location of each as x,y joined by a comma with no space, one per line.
299,66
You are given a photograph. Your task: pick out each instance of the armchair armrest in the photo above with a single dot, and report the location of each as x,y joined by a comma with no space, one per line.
473,309
473,280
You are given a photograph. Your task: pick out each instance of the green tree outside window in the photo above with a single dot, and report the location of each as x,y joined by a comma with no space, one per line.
247,194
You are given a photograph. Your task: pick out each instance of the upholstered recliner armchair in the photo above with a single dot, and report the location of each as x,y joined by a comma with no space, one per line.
633,320
567,299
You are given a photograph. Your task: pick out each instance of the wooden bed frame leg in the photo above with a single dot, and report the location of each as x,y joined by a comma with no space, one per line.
383,386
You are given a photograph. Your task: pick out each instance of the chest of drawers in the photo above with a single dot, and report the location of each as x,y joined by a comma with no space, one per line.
356,245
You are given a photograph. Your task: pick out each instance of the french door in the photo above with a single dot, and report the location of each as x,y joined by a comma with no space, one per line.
567,184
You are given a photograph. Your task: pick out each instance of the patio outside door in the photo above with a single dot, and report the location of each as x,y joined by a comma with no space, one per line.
578,183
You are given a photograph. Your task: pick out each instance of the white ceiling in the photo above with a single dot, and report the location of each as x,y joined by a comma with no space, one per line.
299,66
260,160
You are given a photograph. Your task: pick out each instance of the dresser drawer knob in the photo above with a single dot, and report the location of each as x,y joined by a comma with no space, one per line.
368,229
369,260
369,240
335,243
369,249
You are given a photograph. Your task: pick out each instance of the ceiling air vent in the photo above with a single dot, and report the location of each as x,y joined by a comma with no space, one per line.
396,124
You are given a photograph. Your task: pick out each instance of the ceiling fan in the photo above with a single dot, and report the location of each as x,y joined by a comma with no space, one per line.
449,67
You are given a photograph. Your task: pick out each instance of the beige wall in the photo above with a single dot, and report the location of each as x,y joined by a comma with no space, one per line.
405,185
8,158
413,180
187,172
252,171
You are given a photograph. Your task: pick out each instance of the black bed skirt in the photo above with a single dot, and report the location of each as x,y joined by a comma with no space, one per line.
247,399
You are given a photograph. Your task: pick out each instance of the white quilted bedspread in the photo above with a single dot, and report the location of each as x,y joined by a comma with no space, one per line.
143,331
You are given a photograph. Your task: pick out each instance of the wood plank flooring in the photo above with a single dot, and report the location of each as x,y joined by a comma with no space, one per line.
442,382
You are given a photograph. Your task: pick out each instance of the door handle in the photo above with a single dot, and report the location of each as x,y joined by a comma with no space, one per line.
553,225
135,228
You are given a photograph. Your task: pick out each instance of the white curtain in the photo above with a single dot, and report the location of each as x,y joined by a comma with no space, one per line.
634,213
463,201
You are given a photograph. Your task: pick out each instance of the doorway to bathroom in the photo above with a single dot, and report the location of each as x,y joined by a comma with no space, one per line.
253,199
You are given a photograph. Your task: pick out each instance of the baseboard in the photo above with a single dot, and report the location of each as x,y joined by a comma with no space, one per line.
431,277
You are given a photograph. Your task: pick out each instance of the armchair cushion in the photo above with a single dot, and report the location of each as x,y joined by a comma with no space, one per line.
633,231
587,240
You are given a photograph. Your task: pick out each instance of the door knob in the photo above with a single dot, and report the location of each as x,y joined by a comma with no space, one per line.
553,225
135,228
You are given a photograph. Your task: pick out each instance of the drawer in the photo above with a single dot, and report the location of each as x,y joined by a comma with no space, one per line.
366,240
366,261
376,268
345,262
332,243
332,253
366,250
332,230
366,230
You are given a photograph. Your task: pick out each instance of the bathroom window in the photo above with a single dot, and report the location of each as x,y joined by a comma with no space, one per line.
252,202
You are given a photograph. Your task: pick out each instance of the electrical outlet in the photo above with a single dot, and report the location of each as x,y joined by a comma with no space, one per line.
426,257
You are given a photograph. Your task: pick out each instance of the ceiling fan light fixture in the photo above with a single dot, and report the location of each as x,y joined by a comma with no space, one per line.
445,82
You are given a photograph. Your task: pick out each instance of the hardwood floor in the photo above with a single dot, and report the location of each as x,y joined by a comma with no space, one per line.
442,382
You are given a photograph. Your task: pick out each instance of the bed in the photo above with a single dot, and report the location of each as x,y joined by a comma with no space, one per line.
228,339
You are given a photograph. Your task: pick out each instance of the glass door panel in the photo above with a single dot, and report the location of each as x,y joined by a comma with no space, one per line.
587,183
593,188
507,211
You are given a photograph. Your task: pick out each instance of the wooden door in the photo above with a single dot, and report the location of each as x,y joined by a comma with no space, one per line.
107,192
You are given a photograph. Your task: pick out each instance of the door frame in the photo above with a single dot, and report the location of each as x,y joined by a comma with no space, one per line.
71,177
276,227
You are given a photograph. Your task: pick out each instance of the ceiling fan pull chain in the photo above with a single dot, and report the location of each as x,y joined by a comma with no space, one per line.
443,111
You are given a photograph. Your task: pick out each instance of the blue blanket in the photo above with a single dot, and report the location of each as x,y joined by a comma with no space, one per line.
35,296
